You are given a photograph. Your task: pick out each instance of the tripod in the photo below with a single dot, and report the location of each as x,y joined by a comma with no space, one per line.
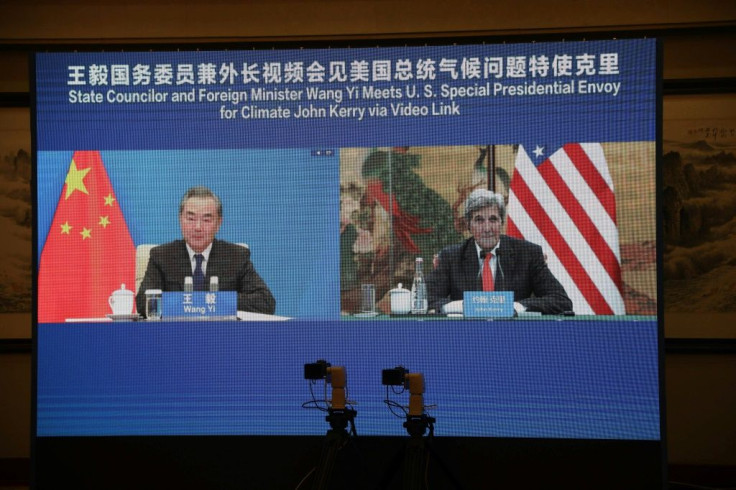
416,455
335,439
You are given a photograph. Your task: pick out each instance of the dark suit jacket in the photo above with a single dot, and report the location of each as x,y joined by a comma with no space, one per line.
169,264
521,268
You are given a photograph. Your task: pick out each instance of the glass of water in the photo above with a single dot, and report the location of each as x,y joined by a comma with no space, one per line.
153,304
368,299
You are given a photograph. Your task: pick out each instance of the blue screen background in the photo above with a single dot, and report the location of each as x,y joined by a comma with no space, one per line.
592,378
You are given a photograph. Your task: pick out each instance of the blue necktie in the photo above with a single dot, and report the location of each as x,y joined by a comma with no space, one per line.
198,274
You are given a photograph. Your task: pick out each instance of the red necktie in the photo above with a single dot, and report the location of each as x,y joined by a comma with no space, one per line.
487,276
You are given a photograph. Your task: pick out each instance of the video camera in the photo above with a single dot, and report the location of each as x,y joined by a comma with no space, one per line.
317,370
394,377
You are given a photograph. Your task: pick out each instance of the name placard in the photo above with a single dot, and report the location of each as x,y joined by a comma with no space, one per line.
199,305
488,304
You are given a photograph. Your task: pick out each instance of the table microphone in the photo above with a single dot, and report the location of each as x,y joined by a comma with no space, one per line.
480,269
500,270
479,278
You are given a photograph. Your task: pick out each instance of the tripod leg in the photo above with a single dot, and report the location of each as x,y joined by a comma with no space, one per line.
334,441
415,464
390,472
435,458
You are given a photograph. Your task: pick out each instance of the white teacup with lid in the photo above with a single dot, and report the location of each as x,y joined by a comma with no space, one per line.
121,301
400,300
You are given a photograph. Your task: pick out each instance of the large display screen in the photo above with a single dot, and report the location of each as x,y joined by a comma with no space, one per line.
323,174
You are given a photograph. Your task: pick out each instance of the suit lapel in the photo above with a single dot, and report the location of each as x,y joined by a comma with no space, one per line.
470,265
213,263
506,259
181,262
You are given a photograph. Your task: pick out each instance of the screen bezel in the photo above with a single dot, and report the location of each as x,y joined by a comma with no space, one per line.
607,460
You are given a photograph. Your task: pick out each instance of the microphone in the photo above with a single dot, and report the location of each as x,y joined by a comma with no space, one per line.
501,279
479,277
500,271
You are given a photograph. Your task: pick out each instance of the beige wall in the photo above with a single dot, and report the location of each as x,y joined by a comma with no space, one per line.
707,53
701,399
30,20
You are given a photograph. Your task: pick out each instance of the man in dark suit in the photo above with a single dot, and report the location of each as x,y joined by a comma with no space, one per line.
495,262
200,256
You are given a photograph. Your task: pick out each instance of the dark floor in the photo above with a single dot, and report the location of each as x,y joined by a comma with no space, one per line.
681,477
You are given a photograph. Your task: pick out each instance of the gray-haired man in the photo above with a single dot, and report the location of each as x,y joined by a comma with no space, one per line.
200,254
493,261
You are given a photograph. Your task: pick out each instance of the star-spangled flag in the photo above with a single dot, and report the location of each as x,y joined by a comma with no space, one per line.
566,203
89,252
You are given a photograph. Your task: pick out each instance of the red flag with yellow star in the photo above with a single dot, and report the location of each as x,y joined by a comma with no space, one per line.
89,252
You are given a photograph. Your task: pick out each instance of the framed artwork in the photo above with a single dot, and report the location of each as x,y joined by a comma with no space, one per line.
699,215
16,220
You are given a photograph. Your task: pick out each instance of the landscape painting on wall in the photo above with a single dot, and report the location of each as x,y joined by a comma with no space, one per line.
699,214
15,210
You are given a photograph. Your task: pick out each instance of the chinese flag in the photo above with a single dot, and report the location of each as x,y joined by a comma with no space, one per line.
89,252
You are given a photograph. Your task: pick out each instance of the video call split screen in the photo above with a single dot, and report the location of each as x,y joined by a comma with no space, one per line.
202,214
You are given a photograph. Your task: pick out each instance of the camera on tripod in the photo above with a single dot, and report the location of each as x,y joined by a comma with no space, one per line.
335,376
340,415
394,377
417,422
316,370
414,382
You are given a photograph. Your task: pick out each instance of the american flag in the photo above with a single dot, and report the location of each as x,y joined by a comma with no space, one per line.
566,204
